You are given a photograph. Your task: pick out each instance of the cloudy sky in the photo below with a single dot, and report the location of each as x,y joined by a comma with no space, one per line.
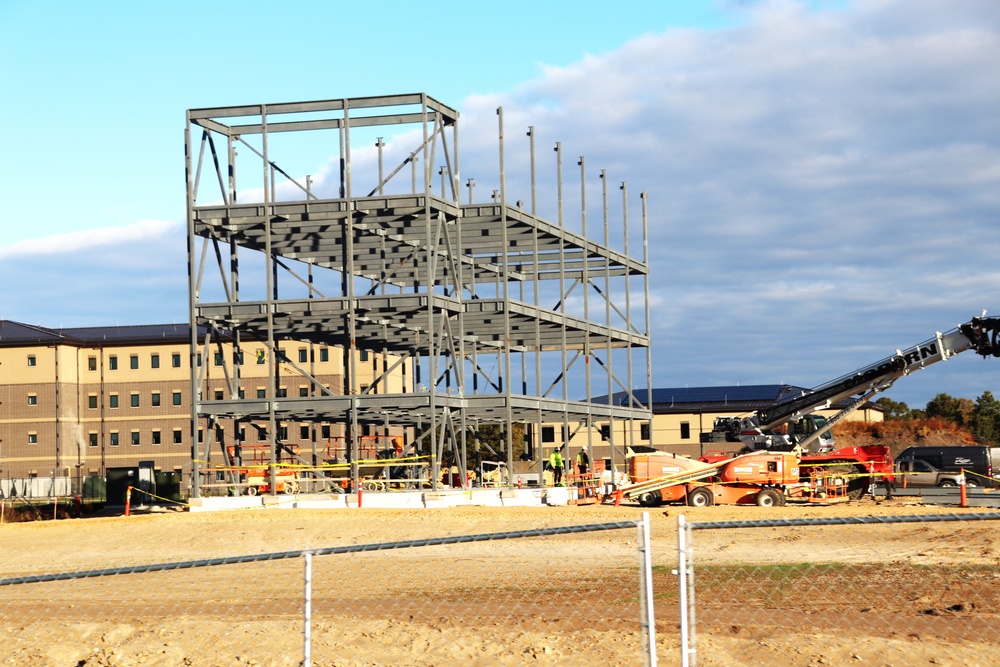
823,177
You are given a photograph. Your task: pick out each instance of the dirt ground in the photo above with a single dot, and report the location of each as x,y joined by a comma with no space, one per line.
898,594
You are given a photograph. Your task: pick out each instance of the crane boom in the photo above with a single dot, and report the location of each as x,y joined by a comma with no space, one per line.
981,334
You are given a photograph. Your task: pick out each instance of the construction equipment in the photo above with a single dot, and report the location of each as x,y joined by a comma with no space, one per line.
762,478
791,426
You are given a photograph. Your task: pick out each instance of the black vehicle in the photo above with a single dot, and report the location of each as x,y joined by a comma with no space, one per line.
975,460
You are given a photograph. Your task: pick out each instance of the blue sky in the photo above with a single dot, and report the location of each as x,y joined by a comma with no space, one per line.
823,176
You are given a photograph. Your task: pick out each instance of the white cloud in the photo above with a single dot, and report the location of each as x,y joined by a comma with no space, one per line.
824,186
820,182
90,240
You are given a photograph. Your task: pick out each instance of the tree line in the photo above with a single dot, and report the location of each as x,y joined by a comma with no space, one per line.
981,416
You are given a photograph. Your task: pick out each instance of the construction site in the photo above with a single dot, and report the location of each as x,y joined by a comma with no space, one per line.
448,316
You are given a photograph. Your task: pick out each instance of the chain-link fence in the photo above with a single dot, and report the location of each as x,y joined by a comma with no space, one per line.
899,590
499,598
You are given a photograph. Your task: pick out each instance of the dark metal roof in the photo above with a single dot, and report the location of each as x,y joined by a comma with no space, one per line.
133,333
736,399
17,334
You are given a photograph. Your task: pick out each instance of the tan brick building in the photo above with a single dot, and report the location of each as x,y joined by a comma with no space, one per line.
78,402
679,416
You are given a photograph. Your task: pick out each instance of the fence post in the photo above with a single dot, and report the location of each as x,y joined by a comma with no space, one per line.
648,621
686,622
307,613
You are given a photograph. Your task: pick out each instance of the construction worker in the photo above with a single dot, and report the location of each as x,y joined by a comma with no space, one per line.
556,463
582,462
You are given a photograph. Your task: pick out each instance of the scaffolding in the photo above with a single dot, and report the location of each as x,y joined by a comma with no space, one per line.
480,312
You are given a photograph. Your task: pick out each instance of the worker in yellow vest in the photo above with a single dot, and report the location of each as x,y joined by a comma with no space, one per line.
556,463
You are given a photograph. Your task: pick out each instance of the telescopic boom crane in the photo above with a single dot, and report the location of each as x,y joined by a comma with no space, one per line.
981,334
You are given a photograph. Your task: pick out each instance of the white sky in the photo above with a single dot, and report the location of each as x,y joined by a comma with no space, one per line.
823,179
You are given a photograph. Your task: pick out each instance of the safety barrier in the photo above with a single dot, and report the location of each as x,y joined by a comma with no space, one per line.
499,598
897,589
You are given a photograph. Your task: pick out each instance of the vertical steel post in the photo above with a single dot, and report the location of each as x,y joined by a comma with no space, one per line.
381,176
507,350
562,284
269,268
645,284
648,620
192,319
686,593
307,613
536,280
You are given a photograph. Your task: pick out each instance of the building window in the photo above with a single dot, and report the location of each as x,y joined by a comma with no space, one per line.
548,434
326,431
303,391
282,392
91,363
154,399
364,355
154,360
112,362
177,398
218,394
92,401
156,436
93,438
134,399
201,436
282,433
32,438
32,399
135,438
198,360
685,430
261,392
303,433
238,357
218,359
324,354
175,360
644,431
242,394
303,355
32,360
112,400
261,435
133,361
178,436
114,438
261,356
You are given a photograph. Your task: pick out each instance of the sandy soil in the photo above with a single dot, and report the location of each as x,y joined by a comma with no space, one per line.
899,594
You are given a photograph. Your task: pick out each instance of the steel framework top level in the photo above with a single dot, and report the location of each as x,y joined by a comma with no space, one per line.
322,114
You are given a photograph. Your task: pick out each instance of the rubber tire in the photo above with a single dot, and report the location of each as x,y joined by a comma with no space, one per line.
768,498
650,499
701,498
947,484
972,483
289,489
251,490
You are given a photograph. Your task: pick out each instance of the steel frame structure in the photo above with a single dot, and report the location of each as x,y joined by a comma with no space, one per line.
399,271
